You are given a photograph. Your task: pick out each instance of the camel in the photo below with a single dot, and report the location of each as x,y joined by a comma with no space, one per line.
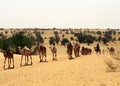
97,50
9,55
26,53
76,50
54,53
69,50
42,52
86,51
111,51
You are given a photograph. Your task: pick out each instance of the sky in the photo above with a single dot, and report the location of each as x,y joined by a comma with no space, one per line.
60,14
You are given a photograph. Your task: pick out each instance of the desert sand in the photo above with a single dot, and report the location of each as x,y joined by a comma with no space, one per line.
87,70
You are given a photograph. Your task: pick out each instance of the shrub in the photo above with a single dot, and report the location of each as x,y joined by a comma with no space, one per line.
16,40
71,38
51,40
99,32
57,39
105,40
99,39
39,37
55,33
64,41
83,38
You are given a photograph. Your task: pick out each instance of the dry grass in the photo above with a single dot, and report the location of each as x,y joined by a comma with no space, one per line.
113,62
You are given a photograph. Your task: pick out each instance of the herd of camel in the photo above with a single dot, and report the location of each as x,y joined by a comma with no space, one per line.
42,53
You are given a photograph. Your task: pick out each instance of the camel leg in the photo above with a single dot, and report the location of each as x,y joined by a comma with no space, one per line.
13,62
4,63
31,59
56,56
53,57
21,60
40,57
27,59
8,63
45,57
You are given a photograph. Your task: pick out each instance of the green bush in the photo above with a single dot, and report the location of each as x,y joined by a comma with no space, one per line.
51,40
64,41
19,39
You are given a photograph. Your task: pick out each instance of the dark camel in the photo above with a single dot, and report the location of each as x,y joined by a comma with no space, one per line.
42,52
9,55
54,53
76,50
69,50
86,51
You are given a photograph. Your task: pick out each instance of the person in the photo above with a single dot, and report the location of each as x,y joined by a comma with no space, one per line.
97,47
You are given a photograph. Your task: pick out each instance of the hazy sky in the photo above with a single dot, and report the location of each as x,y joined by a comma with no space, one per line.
60,13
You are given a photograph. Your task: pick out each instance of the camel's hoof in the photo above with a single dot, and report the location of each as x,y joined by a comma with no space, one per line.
31,63
8,67
40,60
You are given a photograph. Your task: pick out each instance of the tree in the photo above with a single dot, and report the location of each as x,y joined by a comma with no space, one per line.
99,32
39,37
105,40
99,39
51,40
55,33
57,39
19,39
71,38
64,41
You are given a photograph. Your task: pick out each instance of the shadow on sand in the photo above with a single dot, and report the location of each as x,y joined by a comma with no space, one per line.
43,61
9,68
26,65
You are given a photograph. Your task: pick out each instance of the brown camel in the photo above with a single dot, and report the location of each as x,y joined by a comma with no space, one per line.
111,51
9,55
76,50
42,52
86,51
69,50
26,53
54,53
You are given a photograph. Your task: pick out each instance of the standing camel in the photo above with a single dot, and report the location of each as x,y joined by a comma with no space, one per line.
69,50
76,50
54,53
42,52
25,52
9,55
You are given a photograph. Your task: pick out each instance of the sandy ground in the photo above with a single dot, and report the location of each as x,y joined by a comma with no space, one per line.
87,70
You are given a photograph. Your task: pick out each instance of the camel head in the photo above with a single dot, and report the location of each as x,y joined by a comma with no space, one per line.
20,49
